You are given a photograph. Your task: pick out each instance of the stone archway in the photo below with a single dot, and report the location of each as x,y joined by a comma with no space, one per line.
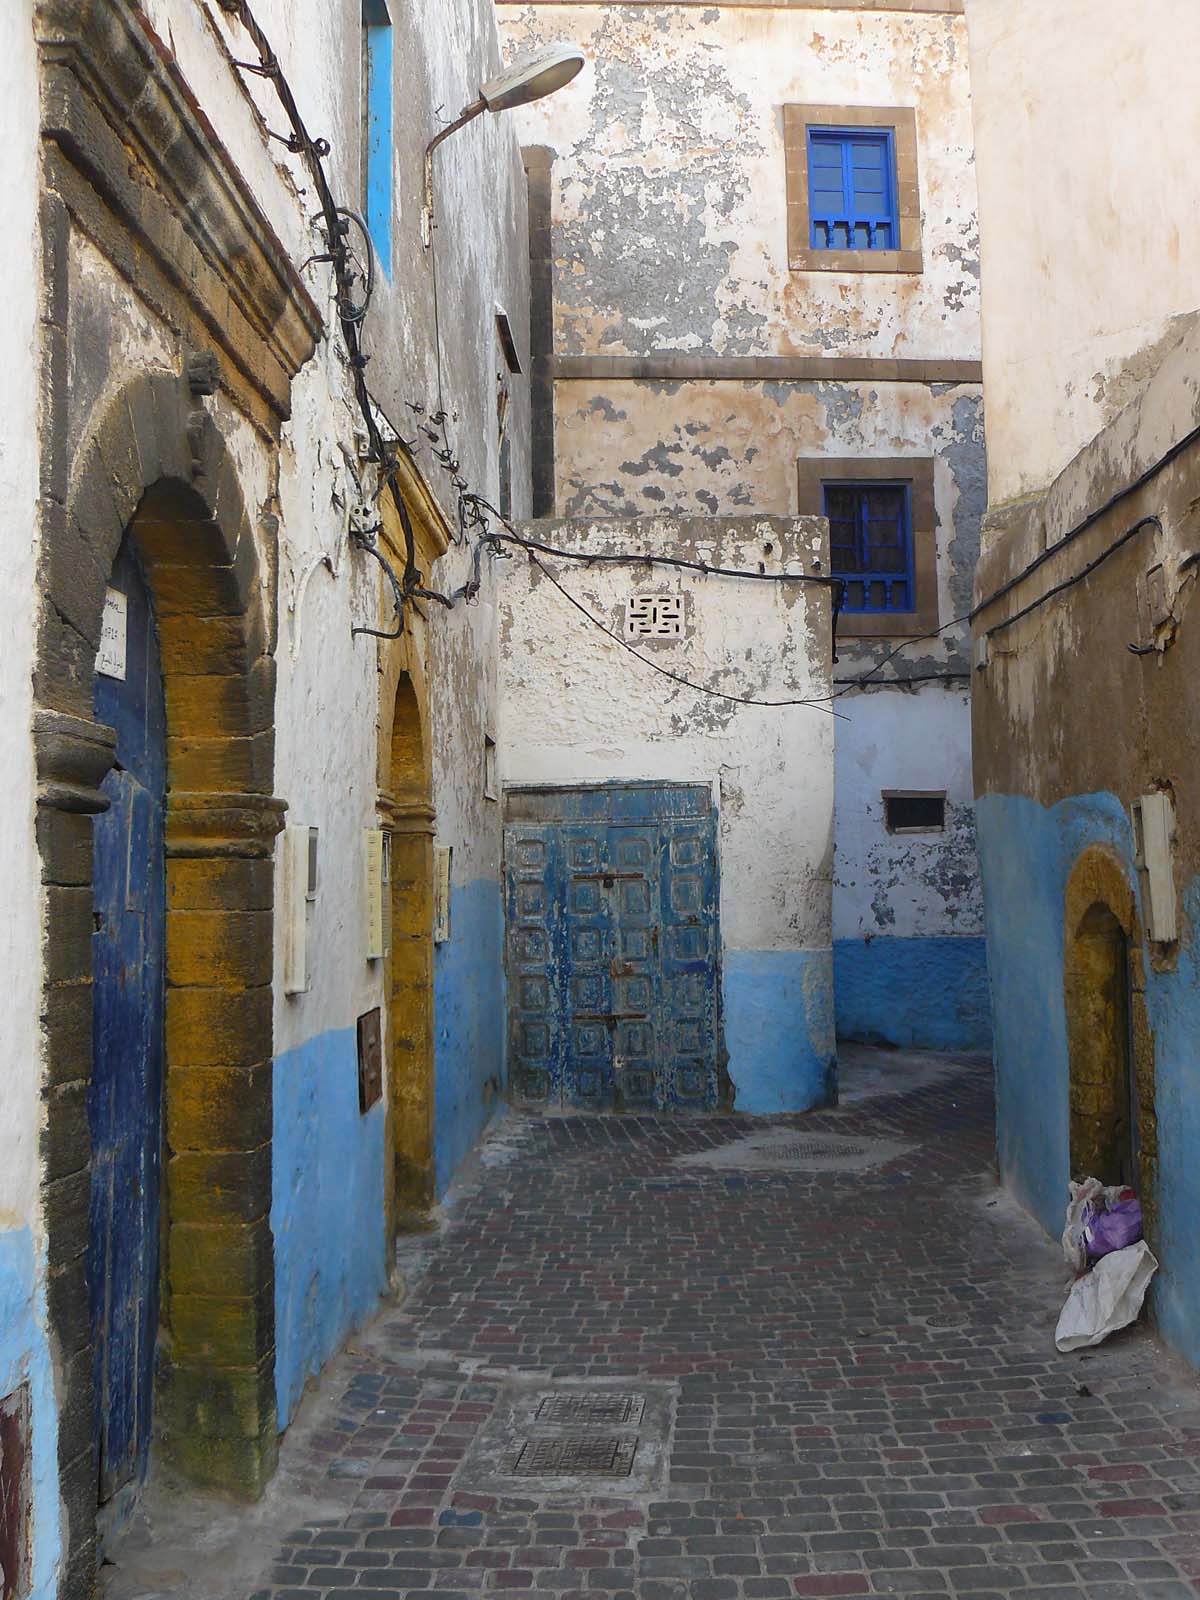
407,811
156,464
1112,1123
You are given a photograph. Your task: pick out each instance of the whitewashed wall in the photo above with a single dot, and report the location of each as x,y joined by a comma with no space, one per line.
1087,281
24,1346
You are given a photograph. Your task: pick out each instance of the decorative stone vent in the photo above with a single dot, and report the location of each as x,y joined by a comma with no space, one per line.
654,616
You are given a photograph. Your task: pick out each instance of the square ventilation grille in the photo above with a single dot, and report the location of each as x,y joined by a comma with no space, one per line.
597,1408
589,1456
654,616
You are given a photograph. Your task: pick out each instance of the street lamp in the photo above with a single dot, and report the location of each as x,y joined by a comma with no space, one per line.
528,80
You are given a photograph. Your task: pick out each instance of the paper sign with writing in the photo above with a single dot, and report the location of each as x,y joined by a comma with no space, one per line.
110,658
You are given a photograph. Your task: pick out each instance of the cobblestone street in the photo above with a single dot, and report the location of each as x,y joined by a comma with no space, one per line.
860,1391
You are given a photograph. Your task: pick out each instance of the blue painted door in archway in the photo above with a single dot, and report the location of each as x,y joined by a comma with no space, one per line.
126,1091
612,946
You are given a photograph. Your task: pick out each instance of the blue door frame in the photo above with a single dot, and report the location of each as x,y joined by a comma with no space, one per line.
126,1090
613,946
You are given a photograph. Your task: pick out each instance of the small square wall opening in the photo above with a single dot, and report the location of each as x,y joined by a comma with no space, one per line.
914,811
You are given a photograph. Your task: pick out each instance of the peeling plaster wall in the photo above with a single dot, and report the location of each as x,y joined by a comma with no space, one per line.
1084,291
670,203
729,449
24,1340
577,709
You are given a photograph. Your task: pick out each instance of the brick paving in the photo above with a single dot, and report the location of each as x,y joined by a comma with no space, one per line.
869,1401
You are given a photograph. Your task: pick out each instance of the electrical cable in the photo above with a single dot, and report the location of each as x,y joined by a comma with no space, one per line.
1078,577
350,314
638,558
819,703
1091,519
900,683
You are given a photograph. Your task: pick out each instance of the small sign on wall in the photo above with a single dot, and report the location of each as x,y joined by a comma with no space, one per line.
110,658
370,1059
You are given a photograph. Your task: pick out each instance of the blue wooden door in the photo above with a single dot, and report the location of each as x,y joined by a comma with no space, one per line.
126,1090
612,946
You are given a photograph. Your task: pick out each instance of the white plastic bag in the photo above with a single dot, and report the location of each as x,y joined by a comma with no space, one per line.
1110,1297
1074,1246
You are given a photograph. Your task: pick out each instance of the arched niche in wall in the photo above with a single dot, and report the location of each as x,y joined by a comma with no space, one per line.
406,811
1113,1130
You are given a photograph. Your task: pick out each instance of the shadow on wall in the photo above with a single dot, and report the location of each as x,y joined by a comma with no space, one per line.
327,1209
916,994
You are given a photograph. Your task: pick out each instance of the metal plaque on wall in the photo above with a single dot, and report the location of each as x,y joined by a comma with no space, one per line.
370,1059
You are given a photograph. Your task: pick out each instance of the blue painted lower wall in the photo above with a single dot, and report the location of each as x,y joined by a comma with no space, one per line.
779,1029
25,1358
468,1001
327,1209
922,994
1027,852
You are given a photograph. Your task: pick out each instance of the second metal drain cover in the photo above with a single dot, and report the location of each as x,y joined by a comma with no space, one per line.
596,1456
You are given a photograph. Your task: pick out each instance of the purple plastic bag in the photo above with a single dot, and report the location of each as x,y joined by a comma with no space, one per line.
1112,1229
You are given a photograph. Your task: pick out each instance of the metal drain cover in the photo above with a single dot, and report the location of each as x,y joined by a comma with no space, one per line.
767,1152
813,1152
596,1408
590,1456
553,1439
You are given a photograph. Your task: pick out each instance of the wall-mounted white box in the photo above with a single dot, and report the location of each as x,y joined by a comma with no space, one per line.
443,854
1153,836
377,865
297,867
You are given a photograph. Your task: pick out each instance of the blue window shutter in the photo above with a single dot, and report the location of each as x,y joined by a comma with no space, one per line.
852,189
377,65
871,545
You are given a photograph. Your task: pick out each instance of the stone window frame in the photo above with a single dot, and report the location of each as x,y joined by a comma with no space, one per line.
812,472
902,122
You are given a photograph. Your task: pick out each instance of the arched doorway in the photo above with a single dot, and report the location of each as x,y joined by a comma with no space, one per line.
409,818
1103,1095
159,871
1113,1132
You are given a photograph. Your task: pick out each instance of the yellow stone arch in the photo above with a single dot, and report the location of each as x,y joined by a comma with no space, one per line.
1113,1127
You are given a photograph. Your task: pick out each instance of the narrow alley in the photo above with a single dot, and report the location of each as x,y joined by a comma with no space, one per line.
600,833
806,1356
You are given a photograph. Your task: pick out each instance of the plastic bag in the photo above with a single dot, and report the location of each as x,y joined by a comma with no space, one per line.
1115,1227
1073,1243
1108,1298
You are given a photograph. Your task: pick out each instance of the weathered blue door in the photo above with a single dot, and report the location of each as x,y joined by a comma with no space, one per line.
126,1091
612,946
